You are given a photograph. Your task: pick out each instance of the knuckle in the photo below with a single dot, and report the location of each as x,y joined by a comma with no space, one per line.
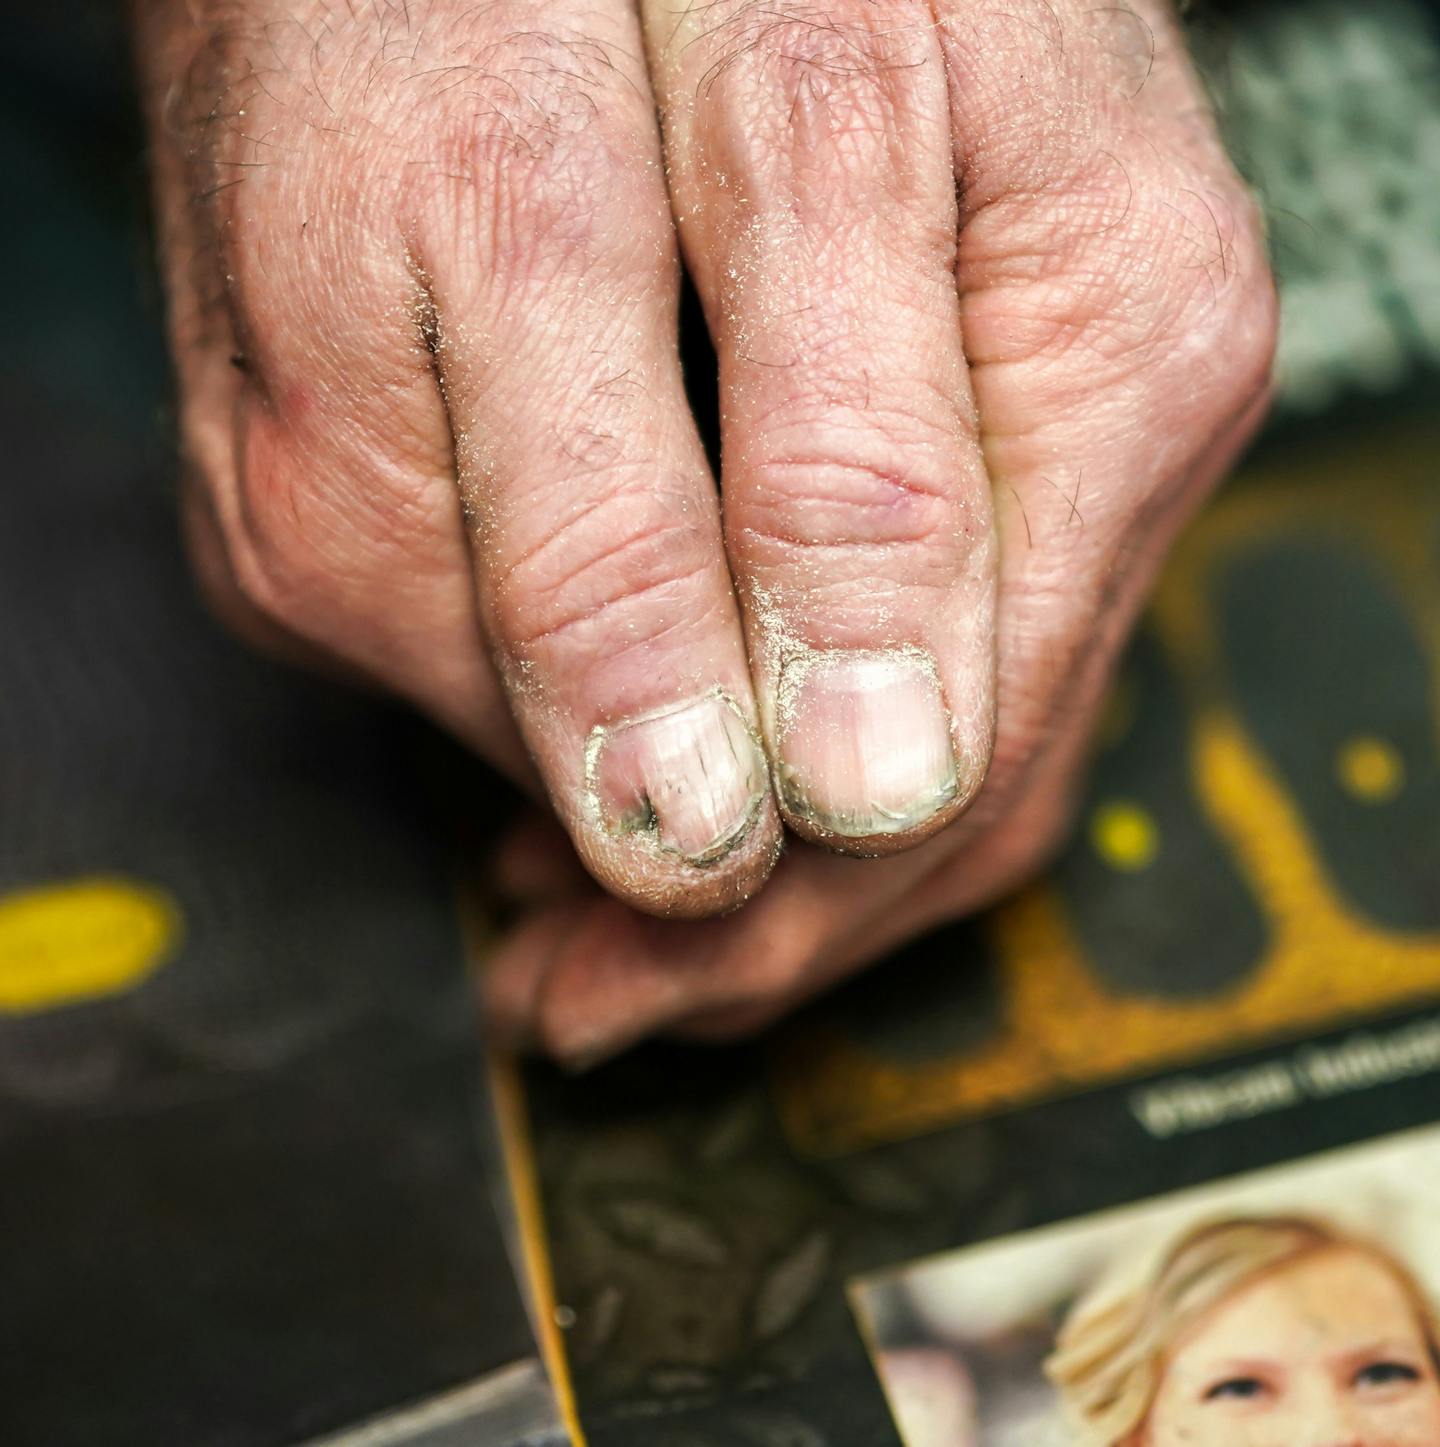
756,45
1106,243
619,577
1213,306
786,81
1036,84
1125,280
1007,64
531,90
390,119
544,211
801,503
541,141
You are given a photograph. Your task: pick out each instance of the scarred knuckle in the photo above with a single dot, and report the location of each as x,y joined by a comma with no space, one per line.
858,501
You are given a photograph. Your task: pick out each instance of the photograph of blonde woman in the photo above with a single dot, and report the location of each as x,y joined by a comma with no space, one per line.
1295,1307
1258,1332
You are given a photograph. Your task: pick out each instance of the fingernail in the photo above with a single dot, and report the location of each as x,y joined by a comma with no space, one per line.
864,741
690,777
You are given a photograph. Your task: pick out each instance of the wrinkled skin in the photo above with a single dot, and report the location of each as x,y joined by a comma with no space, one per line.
992,314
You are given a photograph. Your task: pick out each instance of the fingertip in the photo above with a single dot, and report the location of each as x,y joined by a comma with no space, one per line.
871,757
879,845
679,819
582,981
612,979
639,832
616,977
598,977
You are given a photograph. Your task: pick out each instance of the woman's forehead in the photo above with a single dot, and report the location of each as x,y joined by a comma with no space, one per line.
1322,1299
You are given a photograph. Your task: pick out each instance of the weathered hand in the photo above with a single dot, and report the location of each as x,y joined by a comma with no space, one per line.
1080,367
992,315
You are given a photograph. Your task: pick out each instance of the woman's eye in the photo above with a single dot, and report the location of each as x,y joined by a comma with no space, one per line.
1240,1389
1381,1374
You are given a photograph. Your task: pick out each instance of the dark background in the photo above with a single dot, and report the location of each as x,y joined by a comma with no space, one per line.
245,1202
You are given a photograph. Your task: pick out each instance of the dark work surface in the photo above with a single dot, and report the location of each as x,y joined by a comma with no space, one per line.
244,1201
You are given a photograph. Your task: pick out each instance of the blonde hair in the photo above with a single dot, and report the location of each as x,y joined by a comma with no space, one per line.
1109,1355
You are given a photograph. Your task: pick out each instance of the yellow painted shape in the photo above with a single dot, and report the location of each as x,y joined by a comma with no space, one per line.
62,944
517,1146
1124,835
1370,769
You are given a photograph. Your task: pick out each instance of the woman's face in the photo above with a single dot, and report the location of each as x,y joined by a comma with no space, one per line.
1327,1352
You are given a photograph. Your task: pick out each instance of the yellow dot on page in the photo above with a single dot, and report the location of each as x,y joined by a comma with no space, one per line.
80,940
1124,835
1370,769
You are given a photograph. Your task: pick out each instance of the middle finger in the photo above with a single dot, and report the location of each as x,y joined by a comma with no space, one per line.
598,559
812,173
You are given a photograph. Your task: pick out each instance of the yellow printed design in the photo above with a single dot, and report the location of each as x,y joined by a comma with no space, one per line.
1269,854
63,944
1124,835
1370,769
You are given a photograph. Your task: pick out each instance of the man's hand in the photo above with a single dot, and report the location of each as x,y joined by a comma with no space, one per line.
992,315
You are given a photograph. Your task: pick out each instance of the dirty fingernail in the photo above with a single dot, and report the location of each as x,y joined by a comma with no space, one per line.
864,742
690,778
